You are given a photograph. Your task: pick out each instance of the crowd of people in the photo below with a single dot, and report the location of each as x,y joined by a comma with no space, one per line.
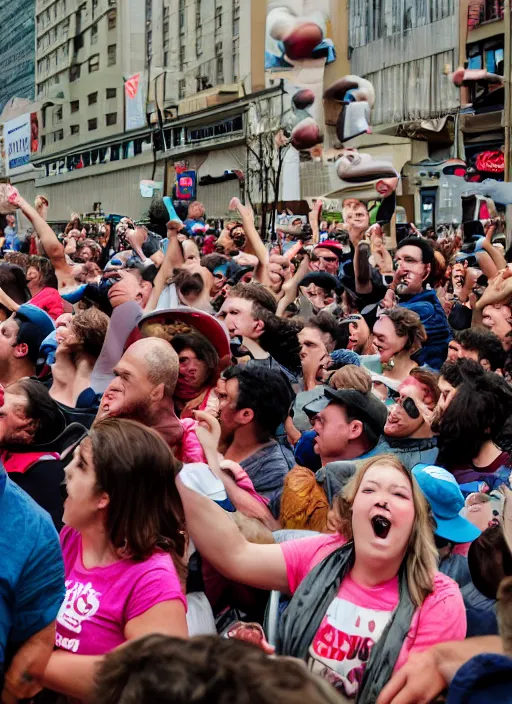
207,439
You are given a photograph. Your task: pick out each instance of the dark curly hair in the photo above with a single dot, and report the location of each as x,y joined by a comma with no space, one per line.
485,343
266,392
481,410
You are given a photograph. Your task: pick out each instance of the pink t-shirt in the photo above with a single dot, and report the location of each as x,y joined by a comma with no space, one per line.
358,615
100,601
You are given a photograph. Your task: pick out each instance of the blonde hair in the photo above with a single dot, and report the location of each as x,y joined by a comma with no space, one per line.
352,377
421,553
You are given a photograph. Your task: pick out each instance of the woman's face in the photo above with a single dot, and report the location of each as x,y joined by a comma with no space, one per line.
383,514
193,371
33,277
84,502
387,342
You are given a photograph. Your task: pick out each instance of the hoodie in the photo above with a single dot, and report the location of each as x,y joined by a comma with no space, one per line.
428,306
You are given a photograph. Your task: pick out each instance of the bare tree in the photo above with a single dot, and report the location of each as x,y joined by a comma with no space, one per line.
267,144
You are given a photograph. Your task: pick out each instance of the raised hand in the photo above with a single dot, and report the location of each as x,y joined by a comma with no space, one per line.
208,431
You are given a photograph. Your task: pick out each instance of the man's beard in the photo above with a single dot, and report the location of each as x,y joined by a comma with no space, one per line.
139,411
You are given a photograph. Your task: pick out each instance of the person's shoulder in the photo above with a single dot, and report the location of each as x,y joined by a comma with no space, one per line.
444,588
313,550
275,453
17,502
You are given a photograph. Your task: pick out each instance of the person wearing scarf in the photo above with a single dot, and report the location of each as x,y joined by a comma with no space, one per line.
199,367
364,598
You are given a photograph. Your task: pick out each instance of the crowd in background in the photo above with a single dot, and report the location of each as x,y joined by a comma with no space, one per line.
207,439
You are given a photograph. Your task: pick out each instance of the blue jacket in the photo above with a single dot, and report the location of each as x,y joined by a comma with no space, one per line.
32,574
427,305
485,679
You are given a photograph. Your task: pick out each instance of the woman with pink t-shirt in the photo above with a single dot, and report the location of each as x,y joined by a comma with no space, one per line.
123,546
365,598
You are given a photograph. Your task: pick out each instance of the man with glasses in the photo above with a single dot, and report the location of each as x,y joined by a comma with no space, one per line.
411,288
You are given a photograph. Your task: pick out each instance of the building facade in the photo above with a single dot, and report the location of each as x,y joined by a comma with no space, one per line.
195,83
83,51
17,39
483,118
407,49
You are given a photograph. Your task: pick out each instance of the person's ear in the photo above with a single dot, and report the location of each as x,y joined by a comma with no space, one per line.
157,394
259,327
245,416
21,350
355,429
428,270
103,501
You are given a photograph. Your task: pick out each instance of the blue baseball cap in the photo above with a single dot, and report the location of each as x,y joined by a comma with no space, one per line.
441,490
35,325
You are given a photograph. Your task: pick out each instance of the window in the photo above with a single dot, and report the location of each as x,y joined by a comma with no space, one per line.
182,16
40,89
74,73
43,141
111,118
92,98
57,115
112,55
182,89
199,46
236,18
94,7
112,19
94,63
94,34
111,93
74,105
149,43
166,12
75,129
92,124
218,18
236,59
182,57
166,58
112,3
220,69
58,136
218,49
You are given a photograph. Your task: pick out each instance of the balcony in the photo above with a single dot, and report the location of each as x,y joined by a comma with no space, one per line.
485,11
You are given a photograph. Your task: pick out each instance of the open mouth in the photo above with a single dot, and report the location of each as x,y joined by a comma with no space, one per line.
381,527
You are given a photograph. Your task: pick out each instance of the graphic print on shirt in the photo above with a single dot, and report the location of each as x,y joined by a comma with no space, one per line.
80,604
343,643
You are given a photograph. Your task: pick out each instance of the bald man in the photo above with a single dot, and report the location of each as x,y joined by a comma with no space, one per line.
143,389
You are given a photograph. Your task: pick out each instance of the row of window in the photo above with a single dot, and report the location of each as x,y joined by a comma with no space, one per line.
60,31
92,124
52,60
50,14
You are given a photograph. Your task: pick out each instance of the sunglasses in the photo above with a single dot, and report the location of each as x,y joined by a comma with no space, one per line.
407,404
327,260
